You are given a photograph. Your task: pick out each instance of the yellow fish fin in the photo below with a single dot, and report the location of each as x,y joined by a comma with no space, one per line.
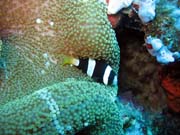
68,60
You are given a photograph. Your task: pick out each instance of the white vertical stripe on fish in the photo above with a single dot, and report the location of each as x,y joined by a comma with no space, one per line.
91,66
106,74
75,62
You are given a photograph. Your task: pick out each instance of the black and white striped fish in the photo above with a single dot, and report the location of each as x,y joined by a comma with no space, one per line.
96,69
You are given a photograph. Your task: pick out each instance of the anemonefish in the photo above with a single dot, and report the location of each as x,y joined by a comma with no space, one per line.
98,70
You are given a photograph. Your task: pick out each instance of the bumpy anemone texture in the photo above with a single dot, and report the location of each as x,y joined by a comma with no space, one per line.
36,35
77,28
38,94
64,108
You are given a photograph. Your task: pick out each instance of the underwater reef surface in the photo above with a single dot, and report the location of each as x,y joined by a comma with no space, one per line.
145,82
166,24
170,81
79,29
41,96
139,72
63,108
33,52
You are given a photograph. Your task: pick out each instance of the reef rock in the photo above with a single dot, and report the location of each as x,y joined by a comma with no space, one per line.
165,25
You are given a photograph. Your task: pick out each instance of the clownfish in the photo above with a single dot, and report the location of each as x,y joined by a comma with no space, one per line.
98,70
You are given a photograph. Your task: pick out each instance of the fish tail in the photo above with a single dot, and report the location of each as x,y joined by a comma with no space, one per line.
68,60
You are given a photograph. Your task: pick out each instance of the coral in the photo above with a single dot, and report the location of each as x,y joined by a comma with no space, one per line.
115,6
67,108
64,108
166,27
164,24
156,48
40,96
170,81
26,72
146,11
139,72
172,88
